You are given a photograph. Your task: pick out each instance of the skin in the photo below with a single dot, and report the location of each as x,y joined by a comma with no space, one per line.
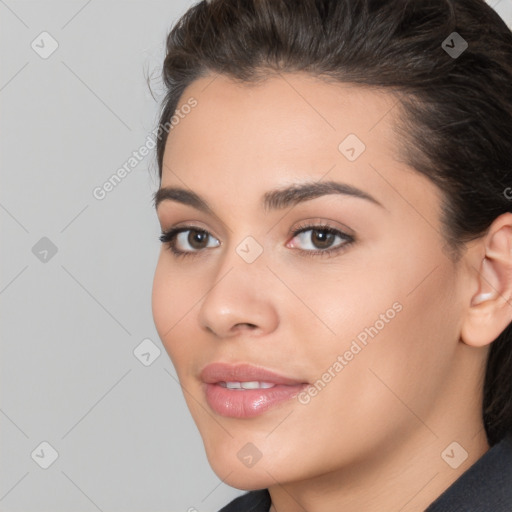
372,438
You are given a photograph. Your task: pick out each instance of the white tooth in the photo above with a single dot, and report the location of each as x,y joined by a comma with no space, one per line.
250,385
247,385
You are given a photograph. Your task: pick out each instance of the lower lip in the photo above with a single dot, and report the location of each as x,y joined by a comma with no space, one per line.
247,403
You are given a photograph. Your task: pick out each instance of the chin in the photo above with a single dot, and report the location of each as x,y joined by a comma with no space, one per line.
245,479
235,468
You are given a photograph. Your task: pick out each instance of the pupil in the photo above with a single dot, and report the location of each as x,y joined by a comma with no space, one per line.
196,238
322,239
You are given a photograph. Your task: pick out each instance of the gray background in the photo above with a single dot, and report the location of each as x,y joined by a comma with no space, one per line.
72,320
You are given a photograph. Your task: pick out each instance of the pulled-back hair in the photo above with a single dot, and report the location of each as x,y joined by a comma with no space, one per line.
454,121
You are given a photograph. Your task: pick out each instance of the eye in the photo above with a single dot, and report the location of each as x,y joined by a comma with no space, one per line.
187,240
311,240
319,239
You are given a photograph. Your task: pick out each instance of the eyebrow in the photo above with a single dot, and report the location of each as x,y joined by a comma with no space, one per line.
273,200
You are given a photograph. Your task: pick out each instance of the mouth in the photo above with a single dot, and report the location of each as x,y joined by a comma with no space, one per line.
246,391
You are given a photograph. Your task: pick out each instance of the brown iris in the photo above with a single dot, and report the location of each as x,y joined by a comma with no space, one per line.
197,239
322,238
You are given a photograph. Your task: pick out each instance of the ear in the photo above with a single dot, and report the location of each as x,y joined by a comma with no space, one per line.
490,308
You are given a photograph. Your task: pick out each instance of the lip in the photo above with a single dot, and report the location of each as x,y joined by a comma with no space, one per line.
246,403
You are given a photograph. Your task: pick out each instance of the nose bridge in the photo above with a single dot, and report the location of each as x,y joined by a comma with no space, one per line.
240,293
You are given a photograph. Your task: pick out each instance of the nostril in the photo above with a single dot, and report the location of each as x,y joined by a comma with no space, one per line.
248,325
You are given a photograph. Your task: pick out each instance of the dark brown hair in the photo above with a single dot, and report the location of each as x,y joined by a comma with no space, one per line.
455,111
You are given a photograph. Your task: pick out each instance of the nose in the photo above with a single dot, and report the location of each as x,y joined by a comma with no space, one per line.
239,301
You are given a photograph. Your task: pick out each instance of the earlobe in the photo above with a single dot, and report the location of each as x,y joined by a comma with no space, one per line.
490,308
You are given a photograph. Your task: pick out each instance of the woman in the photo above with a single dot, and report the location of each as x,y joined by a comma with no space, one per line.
334,286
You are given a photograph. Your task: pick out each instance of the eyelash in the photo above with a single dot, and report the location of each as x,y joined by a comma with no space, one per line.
169,238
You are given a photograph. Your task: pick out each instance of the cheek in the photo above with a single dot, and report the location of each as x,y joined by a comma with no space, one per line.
424,347
172,303
161,300
395,327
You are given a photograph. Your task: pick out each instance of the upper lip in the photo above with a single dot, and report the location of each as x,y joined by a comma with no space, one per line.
224,372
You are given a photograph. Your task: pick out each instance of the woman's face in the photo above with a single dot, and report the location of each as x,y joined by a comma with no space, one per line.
346,333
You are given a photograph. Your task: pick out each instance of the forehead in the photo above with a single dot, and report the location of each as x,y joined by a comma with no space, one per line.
285,110
251,136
